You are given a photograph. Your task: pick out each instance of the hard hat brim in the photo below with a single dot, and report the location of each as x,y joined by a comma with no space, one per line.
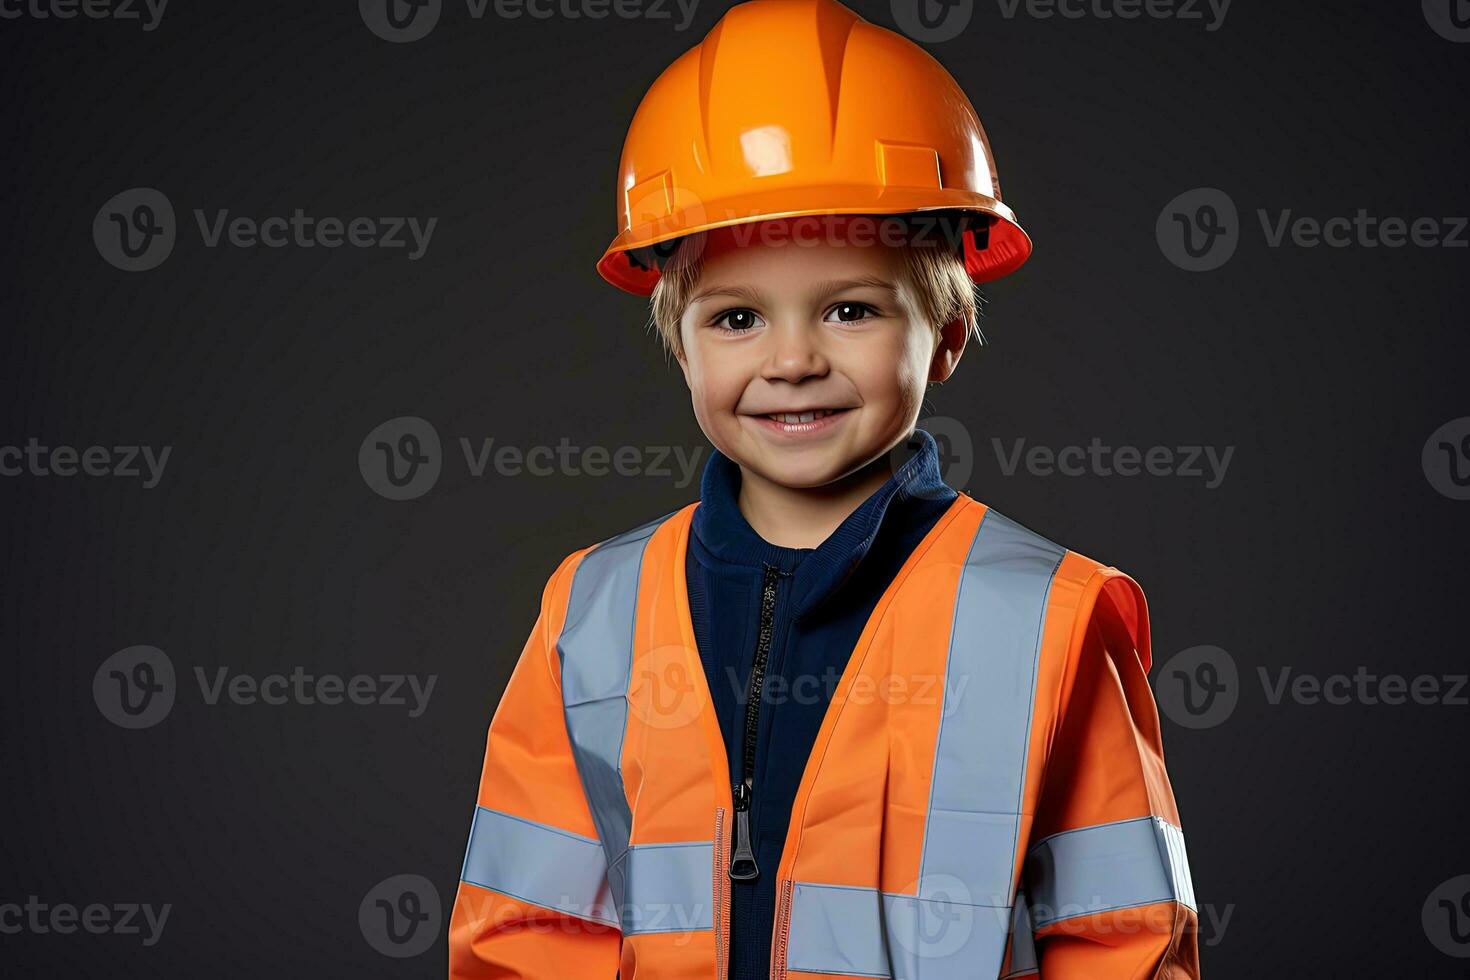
1007,249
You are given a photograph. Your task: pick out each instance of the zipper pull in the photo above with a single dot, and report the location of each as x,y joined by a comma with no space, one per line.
742,861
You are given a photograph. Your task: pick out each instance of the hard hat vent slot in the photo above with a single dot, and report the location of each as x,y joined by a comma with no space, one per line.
908,165
650,199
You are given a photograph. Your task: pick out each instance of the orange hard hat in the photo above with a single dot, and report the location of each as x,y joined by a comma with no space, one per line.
800,107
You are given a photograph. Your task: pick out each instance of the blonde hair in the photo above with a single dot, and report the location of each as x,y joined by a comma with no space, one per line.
932,276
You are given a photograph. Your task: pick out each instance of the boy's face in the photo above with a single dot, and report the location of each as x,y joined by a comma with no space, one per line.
815,324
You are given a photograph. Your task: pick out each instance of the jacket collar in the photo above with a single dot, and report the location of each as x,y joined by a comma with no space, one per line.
722,534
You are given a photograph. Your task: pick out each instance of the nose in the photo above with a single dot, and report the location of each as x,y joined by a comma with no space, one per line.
793,352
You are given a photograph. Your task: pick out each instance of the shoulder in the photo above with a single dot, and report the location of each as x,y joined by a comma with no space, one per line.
616,555
603,574
1077,590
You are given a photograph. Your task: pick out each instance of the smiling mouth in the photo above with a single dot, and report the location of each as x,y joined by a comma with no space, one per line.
792,418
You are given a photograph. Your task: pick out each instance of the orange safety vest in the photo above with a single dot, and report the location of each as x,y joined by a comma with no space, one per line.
986,796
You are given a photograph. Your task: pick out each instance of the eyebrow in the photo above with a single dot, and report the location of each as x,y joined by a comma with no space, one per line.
739,292
821,289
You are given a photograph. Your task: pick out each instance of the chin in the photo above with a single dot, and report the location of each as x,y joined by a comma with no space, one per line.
800,473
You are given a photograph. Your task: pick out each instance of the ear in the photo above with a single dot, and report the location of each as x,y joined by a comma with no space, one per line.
951,345
683,360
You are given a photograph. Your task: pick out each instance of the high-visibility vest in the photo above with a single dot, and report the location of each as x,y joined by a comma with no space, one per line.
951,822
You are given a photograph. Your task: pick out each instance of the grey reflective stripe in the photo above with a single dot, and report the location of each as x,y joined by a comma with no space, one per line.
860,932
537,863
1183,882
668,888
1023,942
1110,866
596,653
955,925
668,884
835,930
973,828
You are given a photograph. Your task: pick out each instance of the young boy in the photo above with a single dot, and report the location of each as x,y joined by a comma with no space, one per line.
834,719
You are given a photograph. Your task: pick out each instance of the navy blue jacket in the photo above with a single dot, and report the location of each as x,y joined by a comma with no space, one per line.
824,596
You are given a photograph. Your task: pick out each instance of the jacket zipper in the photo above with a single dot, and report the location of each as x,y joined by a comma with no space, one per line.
742,861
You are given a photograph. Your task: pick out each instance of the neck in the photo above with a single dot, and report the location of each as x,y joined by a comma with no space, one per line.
804,517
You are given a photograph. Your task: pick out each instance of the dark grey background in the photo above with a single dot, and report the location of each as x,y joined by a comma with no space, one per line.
1319,830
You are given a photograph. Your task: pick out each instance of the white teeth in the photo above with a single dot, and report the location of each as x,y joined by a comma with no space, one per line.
792,418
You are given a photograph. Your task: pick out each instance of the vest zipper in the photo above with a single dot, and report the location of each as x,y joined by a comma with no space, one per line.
742,861
783,931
